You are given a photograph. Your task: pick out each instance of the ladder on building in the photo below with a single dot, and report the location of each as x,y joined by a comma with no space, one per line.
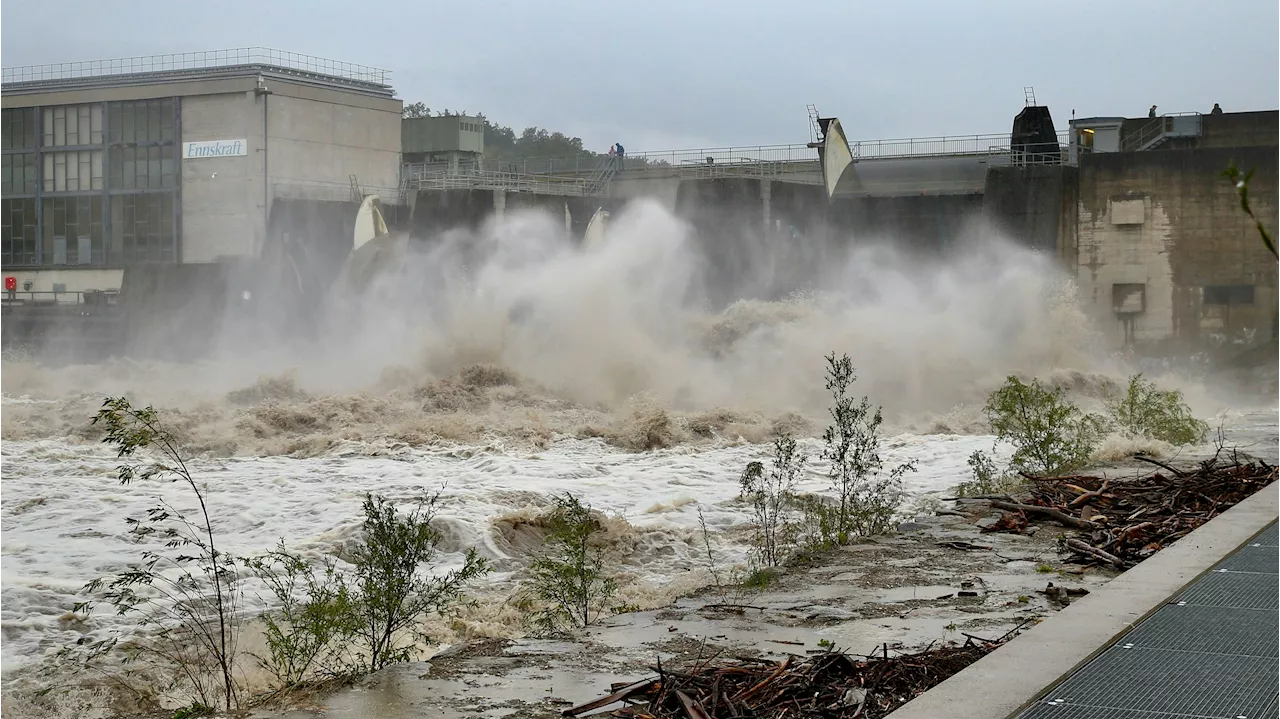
1029,95
815,127
600,177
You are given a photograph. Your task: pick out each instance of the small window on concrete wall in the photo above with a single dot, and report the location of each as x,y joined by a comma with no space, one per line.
1228,295
1128,298
1128,212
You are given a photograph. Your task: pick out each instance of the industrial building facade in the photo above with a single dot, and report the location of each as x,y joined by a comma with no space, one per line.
178,158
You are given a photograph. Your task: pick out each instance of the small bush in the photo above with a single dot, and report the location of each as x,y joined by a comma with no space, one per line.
387,595
1147,411
761,578
866,496
988,479
331,625
1050,435
308,633
772,498
569,578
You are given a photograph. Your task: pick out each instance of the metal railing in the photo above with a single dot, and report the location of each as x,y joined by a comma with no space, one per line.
575,175
509,181
751,155
1153,130
755,160
10,298
197,61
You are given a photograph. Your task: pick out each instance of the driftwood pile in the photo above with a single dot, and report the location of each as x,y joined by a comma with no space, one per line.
1122,522
831,685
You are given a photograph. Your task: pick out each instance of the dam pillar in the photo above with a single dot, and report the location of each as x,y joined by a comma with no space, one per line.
499,203
766,197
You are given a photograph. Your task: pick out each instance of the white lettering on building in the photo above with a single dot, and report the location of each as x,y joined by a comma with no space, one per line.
214,148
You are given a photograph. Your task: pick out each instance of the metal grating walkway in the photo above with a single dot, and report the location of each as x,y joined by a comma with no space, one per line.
1210,653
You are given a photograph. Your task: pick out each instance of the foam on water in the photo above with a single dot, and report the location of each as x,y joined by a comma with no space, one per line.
63,511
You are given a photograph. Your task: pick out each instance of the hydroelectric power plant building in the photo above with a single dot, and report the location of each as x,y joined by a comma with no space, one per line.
177,159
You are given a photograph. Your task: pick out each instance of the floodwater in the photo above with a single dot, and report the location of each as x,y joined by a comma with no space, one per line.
613,382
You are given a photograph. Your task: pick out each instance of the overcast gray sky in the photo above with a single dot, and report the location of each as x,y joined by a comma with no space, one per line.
666,74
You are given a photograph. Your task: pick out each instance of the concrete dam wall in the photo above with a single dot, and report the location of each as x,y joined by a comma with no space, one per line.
755,238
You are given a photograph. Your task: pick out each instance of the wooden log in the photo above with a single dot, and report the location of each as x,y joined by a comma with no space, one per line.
1062,517
1080,546
691,708
1158,463
626,692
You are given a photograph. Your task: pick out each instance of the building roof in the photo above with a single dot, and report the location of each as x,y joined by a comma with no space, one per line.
212,64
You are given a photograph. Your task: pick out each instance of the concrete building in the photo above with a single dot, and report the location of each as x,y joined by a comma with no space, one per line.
451,143
178,159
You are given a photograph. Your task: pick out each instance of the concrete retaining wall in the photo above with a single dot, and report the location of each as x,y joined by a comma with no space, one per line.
1032,205
1168,225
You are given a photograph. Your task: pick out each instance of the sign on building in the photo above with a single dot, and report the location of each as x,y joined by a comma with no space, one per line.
214,148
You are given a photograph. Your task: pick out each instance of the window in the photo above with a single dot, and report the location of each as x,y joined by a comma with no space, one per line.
71,125
19,128
75,171
142,228
73,231
1129,298
142,168
142,121
18,174
18,231
1228,295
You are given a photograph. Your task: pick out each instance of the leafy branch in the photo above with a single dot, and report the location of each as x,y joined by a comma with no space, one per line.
1241,182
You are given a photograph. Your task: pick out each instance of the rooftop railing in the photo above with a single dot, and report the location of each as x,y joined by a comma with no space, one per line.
198,61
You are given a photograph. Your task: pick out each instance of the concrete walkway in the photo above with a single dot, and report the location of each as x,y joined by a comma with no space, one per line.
1191,632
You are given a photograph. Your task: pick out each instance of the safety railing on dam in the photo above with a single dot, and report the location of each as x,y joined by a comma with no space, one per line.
571,175
469,179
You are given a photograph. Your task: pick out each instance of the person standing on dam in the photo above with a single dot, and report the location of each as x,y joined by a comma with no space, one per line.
621,152
1152,112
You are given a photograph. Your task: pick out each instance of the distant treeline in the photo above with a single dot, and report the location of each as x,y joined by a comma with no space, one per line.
502,142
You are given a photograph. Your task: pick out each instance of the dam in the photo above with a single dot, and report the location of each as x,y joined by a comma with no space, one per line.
142,255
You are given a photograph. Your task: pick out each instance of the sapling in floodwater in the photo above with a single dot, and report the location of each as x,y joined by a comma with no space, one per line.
184,595
867,496
772,498
569,578
388,595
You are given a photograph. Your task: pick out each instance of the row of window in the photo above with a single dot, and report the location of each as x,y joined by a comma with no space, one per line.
129,168
135,122
77,230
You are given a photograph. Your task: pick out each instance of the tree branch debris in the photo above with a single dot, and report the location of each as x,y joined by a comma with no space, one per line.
829,684
1122,523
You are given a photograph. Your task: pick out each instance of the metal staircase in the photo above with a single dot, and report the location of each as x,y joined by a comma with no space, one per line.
605,171
1162,129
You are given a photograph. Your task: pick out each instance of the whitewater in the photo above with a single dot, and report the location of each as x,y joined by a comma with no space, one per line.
506,365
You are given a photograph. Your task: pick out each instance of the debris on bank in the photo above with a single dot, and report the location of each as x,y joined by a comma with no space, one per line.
831,684
1122,522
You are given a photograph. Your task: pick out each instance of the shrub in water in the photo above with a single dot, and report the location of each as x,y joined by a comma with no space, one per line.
569,578
1147,411
1049,434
